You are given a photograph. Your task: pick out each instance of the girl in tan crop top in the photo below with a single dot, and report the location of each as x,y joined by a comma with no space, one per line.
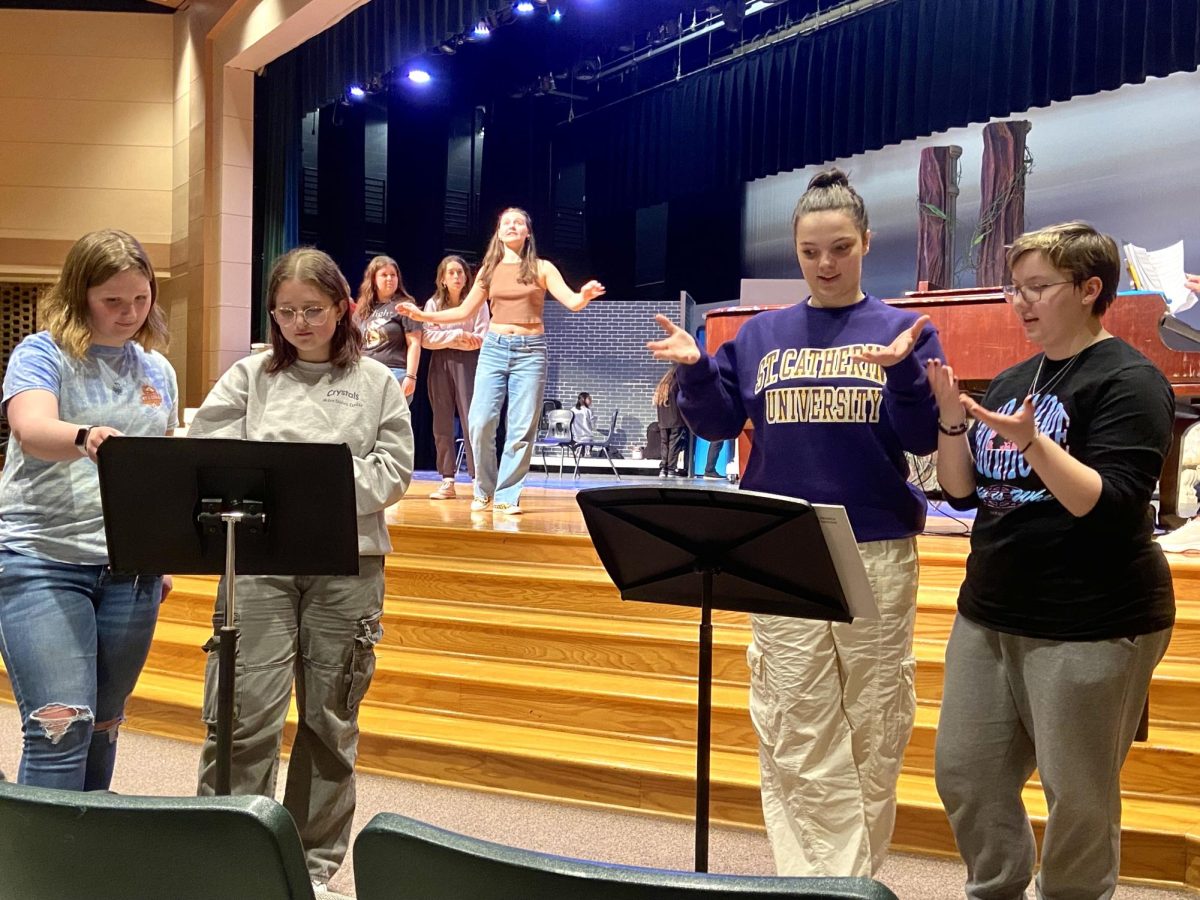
512,362
515,280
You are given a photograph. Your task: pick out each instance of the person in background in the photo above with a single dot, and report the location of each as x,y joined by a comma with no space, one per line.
75,635
512,362
836,389
583,420
451,374
672,430
314,385
714,454
1068,604
388,337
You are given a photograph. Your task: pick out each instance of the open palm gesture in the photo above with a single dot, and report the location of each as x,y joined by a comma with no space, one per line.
1019,428
678,346
898,349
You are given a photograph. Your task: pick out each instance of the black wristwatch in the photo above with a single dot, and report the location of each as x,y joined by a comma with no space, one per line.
81,437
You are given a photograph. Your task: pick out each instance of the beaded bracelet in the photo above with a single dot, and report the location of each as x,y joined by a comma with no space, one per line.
953,430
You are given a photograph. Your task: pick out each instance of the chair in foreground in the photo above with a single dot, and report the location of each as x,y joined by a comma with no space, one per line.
397,858
68,844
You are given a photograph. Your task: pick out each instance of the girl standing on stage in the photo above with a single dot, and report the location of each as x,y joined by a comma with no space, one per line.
388,337
314,385
512,362
1068,604
672,430
836,389
452,368
74,636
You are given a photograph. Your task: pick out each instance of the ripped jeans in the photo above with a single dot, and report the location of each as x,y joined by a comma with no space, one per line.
319,632
73,637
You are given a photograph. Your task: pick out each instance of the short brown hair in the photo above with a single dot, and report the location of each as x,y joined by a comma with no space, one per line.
1079,250
314,267
91,261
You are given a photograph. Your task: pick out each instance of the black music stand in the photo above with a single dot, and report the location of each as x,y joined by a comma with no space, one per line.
226,507
736,550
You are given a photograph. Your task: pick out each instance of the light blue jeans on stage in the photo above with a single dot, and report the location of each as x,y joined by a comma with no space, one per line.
400,375
512,366
76,637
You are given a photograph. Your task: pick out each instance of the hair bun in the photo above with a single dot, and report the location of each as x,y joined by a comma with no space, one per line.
829,178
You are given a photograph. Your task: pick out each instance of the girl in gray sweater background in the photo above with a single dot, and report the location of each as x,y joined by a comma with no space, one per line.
315,386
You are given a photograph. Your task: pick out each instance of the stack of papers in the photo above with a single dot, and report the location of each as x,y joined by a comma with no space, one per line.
1162,271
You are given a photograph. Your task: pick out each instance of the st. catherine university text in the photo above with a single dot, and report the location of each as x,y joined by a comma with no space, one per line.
820,403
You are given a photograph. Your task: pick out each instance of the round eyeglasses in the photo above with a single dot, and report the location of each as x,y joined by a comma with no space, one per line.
312,315
1030,293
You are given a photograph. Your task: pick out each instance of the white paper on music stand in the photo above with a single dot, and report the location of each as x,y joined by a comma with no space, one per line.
843,549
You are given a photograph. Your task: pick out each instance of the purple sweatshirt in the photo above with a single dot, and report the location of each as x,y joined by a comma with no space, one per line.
827,429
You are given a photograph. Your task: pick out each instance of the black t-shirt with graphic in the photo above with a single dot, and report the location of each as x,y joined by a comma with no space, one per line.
1038,571
385,334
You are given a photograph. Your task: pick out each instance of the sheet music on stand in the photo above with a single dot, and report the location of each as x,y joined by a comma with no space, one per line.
843,549
1163,271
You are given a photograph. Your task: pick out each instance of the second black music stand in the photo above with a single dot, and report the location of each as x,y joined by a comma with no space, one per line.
722,549
192,506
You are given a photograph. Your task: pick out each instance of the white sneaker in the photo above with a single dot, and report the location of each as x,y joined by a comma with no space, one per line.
1185,539
508,509
445,492
480,503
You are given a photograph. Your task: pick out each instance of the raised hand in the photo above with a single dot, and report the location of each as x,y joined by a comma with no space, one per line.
591,291
1019,429
678,346
411,310
898,349
946,393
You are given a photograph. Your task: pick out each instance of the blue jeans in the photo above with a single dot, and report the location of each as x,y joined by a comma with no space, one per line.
400,375
512,366
76,638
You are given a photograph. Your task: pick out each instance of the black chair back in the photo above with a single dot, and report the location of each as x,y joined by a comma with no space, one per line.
69,844
398,858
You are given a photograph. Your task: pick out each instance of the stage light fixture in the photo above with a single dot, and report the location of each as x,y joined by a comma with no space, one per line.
556,15
587,69
524,7
482,29
419,76
357,91
732,15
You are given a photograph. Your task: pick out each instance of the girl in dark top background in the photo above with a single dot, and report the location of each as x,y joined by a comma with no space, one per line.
1067,604
388,336
672,430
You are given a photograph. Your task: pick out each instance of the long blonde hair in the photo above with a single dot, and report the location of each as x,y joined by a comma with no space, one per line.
662,393
91,261
441,296
495,253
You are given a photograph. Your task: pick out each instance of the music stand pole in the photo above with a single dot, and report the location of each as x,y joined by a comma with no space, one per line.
227,659
704,719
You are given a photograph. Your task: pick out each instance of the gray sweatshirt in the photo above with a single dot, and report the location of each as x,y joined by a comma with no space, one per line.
361,406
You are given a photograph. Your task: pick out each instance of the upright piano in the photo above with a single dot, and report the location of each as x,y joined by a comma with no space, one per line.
982,337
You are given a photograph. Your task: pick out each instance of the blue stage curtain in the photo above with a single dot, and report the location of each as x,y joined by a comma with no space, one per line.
899,71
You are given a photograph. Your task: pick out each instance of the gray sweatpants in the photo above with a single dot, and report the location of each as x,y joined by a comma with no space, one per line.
321,632
1070,708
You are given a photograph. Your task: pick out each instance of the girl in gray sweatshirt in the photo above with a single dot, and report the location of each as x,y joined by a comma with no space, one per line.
315,386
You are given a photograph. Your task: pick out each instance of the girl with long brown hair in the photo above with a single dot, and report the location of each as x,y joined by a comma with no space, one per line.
388,337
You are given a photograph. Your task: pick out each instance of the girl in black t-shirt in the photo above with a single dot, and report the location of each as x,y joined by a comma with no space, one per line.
388,336
1067,604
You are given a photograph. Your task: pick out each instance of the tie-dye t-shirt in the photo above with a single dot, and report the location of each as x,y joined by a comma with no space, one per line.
52,509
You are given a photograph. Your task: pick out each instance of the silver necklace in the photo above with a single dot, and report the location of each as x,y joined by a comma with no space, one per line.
1033,388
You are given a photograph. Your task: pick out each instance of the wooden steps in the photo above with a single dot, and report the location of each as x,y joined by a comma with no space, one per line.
509,662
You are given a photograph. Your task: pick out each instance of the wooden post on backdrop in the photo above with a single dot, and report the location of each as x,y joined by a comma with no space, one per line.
1002,198
937,202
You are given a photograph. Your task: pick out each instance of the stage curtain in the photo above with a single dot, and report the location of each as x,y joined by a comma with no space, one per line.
277,160
376,38
899,71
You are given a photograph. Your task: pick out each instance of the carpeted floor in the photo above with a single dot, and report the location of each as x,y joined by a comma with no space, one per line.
156,766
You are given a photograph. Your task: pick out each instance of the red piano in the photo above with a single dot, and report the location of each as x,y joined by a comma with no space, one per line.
982,337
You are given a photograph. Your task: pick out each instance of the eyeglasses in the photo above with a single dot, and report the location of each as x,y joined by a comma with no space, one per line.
313,315
1030,293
